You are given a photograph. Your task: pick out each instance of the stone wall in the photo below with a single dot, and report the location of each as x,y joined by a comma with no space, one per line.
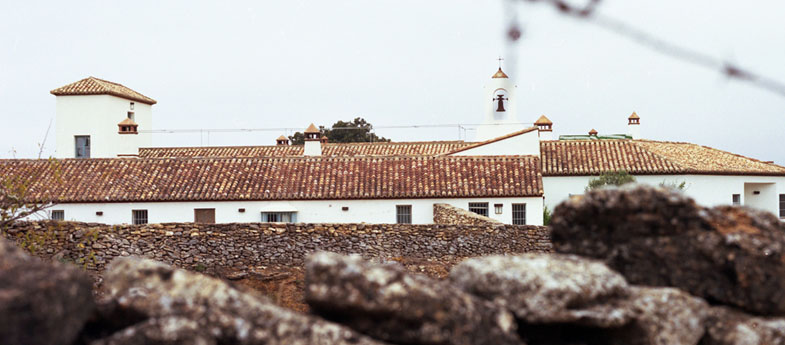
215,248
448,214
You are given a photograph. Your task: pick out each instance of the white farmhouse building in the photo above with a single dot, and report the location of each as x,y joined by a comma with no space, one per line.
510,174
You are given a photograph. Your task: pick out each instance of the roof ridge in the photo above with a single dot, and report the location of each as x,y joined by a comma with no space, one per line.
492,140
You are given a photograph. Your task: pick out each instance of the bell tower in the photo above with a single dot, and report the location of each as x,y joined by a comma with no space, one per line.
500,107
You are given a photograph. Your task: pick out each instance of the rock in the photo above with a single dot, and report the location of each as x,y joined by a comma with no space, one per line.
660,237
388,303
168,330
548,288
41,302
726,326
664,316
157,296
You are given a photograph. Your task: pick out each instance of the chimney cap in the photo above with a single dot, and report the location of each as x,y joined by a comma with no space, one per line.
634,116
543,121
499,74
312,130
282,138
593,132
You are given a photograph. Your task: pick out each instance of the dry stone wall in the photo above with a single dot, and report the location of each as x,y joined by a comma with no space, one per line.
448,214
215,248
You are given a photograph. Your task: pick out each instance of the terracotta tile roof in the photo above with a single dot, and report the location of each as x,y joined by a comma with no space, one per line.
329,149
489,141
283,178
95,86
592,157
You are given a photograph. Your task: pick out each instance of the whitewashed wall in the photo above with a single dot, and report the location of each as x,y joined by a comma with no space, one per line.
708,190
316,211
98,116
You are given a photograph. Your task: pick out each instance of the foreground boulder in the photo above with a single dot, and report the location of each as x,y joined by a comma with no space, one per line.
548,288
388,303
663,316
566,299
165,305
726,326
41,302
656,236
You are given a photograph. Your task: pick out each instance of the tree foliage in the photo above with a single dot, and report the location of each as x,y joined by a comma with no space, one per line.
16,201
611,178
355,131
675,186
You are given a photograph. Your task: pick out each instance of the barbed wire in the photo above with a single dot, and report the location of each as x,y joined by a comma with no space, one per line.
588,12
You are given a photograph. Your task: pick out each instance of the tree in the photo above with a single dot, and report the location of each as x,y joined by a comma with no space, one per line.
17,196
611,178
356,131
674,185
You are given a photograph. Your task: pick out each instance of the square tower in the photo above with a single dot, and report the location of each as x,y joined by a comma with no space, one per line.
101,119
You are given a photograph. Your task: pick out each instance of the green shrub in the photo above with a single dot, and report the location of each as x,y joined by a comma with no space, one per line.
611,178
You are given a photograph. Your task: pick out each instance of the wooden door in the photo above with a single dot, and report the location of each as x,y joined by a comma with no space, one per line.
204,215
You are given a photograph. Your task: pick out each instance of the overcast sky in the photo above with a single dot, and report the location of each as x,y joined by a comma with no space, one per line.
285,64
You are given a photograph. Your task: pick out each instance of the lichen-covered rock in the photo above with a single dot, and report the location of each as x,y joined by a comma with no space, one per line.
164,331
725,326
663,316
41,302
163,296
548,288
388,303
655,236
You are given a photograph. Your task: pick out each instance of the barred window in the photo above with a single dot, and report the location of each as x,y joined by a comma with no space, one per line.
480,208
403,214
519,214
279,217
782,205
736,199
139,217
57,215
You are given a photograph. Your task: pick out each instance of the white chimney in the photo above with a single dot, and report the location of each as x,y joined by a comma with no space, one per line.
634,126
313,146
545,128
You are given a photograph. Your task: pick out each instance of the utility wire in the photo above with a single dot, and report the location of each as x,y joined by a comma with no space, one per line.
641,37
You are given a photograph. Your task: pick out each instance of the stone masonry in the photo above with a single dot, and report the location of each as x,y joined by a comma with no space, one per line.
448,214
217,248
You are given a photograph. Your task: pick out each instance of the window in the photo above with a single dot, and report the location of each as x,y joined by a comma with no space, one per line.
279,217
403,214
204,215
131,115
132,106
480,208
57,215
782,205
498,208
736,199
82,146
139,217
519,214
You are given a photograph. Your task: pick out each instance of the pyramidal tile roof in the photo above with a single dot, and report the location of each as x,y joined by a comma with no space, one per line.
95,86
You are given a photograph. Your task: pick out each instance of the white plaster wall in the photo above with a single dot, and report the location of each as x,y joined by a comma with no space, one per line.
314,211
708,190
524,144
98,116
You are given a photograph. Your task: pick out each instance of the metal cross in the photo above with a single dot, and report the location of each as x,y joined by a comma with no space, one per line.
500,61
